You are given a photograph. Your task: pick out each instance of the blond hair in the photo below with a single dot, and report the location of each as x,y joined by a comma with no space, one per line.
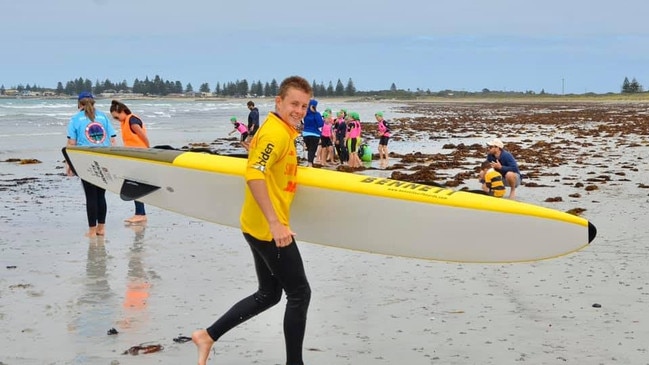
88,106
296,82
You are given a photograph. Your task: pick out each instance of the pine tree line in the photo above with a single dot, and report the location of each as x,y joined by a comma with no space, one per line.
241,88
160,87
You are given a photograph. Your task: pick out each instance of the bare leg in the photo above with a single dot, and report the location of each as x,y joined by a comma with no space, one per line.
385,155
511,180
381,162
203,343
318,155
357,160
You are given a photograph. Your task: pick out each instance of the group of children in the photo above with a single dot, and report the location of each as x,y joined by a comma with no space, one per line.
340,138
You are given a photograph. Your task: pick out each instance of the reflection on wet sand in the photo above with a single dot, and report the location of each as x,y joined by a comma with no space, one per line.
94,304
137,284
95,307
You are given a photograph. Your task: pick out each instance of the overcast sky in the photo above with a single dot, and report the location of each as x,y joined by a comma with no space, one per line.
573,46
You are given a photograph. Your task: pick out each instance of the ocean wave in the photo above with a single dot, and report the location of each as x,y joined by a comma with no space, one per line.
32,134
37,106
30,115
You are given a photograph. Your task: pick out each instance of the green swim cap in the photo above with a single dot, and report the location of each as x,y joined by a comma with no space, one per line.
379,114
354,116
233,119
325,115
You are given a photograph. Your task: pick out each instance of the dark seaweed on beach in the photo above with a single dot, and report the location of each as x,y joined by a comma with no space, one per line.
146,349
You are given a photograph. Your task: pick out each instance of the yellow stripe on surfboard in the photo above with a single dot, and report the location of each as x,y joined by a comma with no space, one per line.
381,187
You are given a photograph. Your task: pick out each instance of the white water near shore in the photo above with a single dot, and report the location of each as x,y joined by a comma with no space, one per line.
66,292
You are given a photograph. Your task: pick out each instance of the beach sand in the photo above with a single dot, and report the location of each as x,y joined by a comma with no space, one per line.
60,292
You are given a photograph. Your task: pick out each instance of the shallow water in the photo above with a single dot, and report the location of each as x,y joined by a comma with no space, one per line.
35,124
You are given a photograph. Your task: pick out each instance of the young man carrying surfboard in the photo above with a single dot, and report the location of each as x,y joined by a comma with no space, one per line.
271,176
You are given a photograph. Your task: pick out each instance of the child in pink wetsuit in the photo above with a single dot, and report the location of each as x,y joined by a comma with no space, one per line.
354,139
241,128
326,146
384,135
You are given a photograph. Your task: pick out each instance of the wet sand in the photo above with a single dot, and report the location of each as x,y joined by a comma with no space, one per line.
60,293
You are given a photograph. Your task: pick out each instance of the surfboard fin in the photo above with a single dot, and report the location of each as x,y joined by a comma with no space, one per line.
133,190
592,232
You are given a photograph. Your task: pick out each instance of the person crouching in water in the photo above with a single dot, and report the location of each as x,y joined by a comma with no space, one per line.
241,129
505,163
133,135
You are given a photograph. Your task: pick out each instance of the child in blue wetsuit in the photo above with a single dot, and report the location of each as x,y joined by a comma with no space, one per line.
312,132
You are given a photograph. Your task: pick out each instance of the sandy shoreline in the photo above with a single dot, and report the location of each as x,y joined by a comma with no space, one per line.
66,292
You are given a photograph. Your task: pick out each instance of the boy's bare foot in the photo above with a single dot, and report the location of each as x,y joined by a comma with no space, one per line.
203,343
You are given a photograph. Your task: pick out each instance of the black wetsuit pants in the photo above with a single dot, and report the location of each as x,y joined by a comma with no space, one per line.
277,269
311,143
341,149
95,204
